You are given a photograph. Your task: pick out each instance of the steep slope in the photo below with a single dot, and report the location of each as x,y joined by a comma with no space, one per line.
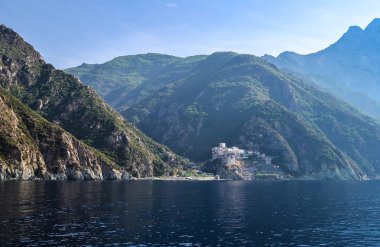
242,100
33,148
64,100
126,80
350,68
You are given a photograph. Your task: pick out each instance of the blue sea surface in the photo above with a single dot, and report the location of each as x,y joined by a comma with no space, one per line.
190,213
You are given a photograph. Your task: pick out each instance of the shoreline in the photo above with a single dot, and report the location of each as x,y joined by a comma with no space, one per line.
207,178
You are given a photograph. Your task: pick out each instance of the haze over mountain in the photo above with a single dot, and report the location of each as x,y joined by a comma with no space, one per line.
126,80
191,104
350,68
32,146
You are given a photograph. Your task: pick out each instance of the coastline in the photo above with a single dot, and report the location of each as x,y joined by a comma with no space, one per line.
206,178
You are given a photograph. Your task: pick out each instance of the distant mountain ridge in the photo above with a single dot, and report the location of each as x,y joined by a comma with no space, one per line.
125,80
350,68
245,101
65,101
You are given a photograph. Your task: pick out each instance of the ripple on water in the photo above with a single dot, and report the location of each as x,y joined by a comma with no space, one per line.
143,213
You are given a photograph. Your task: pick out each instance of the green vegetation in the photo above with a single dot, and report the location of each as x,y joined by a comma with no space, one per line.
25,136
62,99
244,101
126,80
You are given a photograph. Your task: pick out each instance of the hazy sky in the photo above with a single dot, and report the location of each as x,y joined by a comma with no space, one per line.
69,32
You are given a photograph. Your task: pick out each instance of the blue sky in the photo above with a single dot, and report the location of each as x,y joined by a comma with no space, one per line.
70,32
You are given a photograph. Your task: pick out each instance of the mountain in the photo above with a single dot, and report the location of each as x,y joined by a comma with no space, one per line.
244,101
64,100
31,147
126,80
350,68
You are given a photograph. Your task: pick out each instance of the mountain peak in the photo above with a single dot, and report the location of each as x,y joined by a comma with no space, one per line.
7,33
352,36
354,29
373,25
15,47
3,27
222,55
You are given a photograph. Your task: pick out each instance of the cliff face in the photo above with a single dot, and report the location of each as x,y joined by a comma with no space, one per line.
65,101
33,148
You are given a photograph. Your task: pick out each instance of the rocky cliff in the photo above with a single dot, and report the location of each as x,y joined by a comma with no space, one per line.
33,148
65,101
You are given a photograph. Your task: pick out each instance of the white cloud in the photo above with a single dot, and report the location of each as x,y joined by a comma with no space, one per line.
171,5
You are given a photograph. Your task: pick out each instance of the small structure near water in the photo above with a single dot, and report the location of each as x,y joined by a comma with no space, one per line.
243,164
228,156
